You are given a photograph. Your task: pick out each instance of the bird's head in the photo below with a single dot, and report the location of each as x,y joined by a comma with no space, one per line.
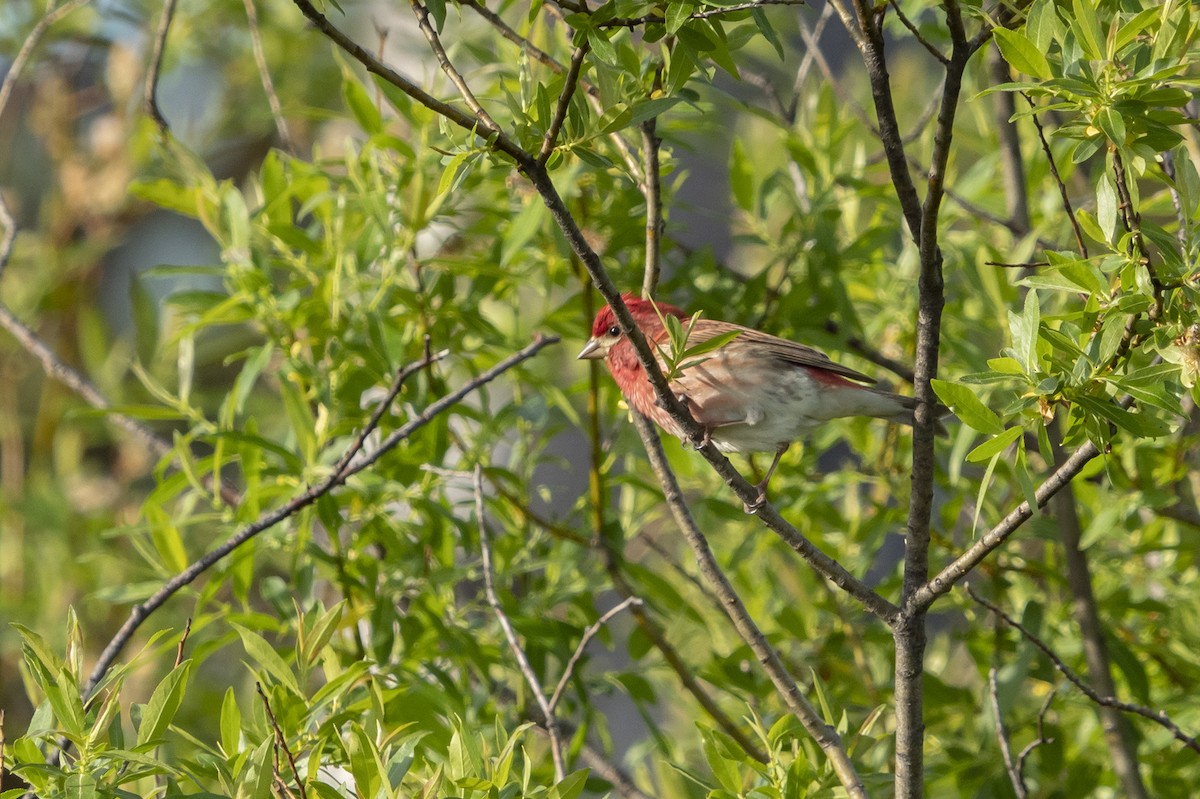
606,334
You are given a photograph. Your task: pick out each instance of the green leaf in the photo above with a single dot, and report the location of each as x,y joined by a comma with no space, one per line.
1021,467
1139,424
994,446
1087,29
164,702
677,15
741,176
571,786
1021,53
231,724
1024,330
361,104
263,655
602,47
80,786
967,406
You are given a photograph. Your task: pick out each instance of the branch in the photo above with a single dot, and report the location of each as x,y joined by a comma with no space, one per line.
1039,741
1014,775
564,102
281,743
497,138
1062,187
933,51
637,22
961,566
1121,747
869,38
652,191
489,588
141,612
264,75
584,640
671,655
1157,716
52,16
439,52
156,57
825,735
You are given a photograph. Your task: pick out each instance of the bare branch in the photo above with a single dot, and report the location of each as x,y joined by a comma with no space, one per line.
603,768
825,735
637,22
156,57
141,612
498,139
564,103
52,16
1014,775
1041,736
281,743
585,639
439,52
510,635
1062,187
187,631
652,191
961,566
264,75
936,53
1157,716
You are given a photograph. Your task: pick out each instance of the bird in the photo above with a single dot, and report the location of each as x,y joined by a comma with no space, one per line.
754,392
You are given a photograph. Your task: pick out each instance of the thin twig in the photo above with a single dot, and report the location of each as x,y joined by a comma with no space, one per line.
1062,187
603,768
141,612
564,103
654,216
961,566
584,640
1014,776
936,53
687,677
825,736
498,140
52,16
1041,736
1157,716
155,69
187,630
510,635
264,75
281,742
637,22
439,52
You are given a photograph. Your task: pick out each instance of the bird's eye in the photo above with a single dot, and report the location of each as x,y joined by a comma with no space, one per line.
613,331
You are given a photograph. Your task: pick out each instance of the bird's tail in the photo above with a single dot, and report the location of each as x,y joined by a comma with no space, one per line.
898,409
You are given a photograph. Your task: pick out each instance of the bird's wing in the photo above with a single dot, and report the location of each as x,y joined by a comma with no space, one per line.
783,349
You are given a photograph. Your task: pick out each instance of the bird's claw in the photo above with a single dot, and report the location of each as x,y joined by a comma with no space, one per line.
758,503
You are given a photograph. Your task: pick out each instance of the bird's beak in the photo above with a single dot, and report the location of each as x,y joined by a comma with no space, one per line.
591,351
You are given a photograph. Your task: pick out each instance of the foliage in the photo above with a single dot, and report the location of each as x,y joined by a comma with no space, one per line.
350,649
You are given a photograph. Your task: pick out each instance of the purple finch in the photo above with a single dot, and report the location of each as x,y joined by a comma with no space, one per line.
752,392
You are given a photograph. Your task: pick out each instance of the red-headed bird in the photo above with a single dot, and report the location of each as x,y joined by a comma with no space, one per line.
755,393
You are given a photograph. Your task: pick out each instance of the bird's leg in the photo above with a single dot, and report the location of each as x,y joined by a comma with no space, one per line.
761,485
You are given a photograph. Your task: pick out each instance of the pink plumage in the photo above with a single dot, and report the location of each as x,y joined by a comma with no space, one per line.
756,393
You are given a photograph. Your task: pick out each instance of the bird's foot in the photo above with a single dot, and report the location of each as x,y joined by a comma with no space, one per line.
759,501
